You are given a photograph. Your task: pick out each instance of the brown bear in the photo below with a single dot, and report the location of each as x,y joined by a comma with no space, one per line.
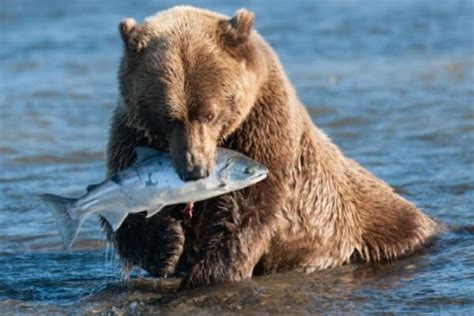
192,80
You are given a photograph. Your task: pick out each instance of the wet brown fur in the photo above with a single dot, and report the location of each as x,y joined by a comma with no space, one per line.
190,80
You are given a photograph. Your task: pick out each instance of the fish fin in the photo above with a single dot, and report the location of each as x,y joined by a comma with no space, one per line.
223,184
68,226
145,152
155,210
114,218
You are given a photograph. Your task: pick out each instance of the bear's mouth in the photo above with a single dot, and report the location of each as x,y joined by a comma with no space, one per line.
188,210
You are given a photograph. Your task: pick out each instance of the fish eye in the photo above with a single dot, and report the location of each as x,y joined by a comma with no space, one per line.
249,170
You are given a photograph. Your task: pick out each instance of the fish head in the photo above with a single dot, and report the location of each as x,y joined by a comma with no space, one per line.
237,171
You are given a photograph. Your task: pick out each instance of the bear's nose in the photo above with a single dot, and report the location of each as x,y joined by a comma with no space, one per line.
197,173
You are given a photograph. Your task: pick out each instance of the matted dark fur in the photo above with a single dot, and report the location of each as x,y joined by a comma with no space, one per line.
191,80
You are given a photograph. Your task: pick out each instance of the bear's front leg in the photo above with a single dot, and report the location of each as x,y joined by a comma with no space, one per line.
234,239
154,244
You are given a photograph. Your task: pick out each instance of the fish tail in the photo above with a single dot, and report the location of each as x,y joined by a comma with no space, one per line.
68,226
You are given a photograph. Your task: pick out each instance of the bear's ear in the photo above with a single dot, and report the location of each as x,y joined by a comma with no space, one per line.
127,27
237,29
131,34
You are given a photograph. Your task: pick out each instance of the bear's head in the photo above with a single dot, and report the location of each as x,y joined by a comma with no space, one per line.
190,77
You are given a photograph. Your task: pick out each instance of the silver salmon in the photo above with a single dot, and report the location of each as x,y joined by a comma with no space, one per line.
150,184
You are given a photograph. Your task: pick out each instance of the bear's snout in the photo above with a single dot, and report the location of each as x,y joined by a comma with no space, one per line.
192,153
197,172
194,167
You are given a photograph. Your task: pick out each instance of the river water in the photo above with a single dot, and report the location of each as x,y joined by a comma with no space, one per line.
392,83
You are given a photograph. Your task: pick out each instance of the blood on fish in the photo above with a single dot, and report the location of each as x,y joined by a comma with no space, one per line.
188,210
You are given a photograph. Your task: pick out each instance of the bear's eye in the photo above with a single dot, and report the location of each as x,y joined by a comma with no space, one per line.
171,120
208,118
